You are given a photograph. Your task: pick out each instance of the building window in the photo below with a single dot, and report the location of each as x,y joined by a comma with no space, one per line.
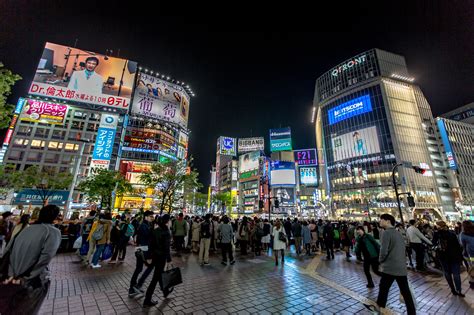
71,147
24,130
55,146
16,155
37,144
59,134
51,158
20,143
34,156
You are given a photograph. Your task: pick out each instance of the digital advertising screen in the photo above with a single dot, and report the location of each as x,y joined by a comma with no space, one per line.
44,112
354,107
251,144
73,74
280,139
156,98
249,161
306,157
308,176
355,144
286,195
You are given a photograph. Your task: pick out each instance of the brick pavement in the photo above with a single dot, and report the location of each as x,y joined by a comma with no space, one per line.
252,286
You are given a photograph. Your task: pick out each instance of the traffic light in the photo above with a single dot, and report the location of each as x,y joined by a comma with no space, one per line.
419,170
277,203
411,201
260,204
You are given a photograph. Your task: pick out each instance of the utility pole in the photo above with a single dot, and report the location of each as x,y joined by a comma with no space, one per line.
394,169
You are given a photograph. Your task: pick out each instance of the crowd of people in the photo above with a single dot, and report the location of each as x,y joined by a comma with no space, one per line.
386,247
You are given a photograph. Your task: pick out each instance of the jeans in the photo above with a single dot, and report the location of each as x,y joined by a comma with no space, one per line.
452,271
204,250
136,273
386,282
98,252
374,262
420,255
159,265
227,249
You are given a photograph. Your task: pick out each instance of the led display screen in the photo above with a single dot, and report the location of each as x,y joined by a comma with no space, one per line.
354,107
355,144
308,176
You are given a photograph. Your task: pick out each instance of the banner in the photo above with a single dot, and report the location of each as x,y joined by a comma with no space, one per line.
159,99
280,139
251,144
73,74
355,144
34,197
104,142
44,112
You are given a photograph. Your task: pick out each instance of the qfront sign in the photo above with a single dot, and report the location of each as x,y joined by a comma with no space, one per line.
347,65
354,107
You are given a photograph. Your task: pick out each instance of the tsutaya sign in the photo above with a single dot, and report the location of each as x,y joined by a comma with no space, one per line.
351,63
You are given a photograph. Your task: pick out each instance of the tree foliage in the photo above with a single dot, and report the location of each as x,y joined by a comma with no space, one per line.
168,180
100,186
7,80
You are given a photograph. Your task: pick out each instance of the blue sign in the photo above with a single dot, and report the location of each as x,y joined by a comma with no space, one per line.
19,105
228,146
35,197
149,151
104,144
354,107
447,145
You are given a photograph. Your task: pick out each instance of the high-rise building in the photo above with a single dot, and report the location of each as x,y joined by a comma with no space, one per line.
370,116
463,114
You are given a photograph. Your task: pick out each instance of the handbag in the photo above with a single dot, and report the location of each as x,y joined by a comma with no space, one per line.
84,249
282,236
171,278
77,243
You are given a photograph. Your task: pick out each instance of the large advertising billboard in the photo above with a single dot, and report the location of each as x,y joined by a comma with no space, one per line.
308,176
355,144
73,74
44,112
354,107
227,146
104,143
280,139
447,145
249,161
286,195
156,98
306,157
149,140
251,144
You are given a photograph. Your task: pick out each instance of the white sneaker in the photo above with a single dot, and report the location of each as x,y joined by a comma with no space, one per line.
96,266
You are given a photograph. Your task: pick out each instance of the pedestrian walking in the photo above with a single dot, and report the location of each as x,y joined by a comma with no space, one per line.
226,236
205,242
369,249
266,235
467,241
416,238
195,227
85,231
280,241
313,228
449,252
126,231
101,235
244,236
161,256
393,264
30,254
257,237
306,238
296,231
179,229
143,254
328,236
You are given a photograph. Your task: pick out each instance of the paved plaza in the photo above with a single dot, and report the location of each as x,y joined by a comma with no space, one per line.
253,285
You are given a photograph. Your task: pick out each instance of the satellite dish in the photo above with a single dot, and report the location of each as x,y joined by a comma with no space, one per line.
132,66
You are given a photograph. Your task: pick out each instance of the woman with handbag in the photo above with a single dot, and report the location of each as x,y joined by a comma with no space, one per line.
280,241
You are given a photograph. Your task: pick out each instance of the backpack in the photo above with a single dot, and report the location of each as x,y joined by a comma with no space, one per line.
205,230
130,230
336,234
98,232
259,232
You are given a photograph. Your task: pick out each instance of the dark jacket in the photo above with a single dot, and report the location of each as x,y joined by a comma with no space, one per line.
144,233
367,245
296,229
328,232
288,227
160,244
452,251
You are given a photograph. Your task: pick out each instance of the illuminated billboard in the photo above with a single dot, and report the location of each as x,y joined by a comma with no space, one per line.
355,144
159,99
44,112
447,145
104,142
280,139
251,144
73,74
306,157
286,195
227,146
354,107
249,161
282,173
308,176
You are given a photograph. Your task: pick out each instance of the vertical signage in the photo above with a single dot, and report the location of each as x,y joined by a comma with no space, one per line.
447,145
104,143
11,128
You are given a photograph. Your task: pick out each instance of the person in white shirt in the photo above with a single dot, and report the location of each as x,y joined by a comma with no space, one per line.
416,238
87,81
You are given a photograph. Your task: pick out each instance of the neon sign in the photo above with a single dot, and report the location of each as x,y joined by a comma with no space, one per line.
345,66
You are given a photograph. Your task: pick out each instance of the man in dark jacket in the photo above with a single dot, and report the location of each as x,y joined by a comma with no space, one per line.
161,255
287,225
367,247
328,235
296,230
142,254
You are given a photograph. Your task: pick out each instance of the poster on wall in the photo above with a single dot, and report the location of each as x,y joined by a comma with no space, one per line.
44,112
355,144
159,99
78,75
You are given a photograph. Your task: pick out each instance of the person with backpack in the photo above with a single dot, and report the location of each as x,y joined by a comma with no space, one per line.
30,253
467,241
328,236
160,247
369,249
126,231
101,236
449,252
179,230
205,234
226,235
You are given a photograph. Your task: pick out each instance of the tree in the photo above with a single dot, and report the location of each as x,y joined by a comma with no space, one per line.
43,182
7,80
169,179
100,186
223,199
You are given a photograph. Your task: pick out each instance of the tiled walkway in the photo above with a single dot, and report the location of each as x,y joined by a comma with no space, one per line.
253,285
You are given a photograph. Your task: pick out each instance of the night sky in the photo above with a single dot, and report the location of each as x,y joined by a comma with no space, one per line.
251,69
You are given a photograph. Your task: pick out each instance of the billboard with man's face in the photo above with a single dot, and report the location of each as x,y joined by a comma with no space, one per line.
82,76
